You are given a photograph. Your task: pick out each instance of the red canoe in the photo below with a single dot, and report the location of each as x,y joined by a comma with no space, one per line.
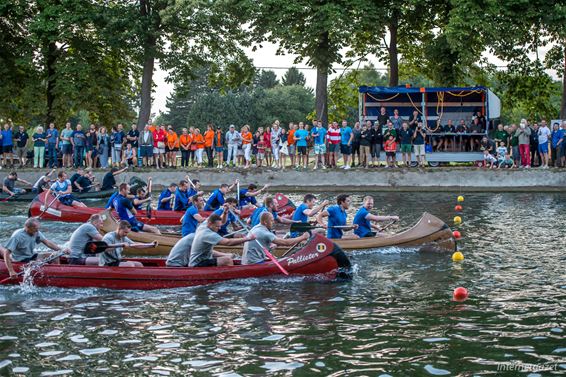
57,211
319,257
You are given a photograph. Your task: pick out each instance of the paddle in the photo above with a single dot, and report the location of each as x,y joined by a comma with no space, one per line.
39,265
96,247
49,205
385,227
304,227
265,250
12,196
238,193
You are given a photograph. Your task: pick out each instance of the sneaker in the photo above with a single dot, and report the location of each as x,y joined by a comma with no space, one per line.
323,167
347,167
314,168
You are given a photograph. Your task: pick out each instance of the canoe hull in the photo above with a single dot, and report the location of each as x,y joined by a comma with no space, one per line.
59,212
429,234
154,275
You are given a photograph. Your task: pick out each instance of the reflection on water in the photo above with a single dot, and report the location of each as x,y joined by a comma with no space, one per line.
395,318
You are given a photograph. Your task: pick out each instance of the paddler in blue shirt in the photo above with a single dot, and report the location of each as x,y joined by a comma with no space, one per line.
166,197
184,193
337,217
307,209
216,200
247,197
126,211
269,205
364,218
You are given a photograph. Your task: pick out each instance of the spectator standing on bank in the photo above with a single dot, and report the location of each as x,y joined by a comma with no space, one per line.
233,138
383,117
247,140
356,131
318,134
92,147
117,139
7,145
103,147
543,136
523,133
52,142
334,138
390,151
133,139
39,140
419,137
21,139
146,146
535,155
78,141
219,143
556,136
346,138
171,147
415,119
159,137
208,145
365,145
396,120
376,134
406,140
500,135
185,146
300,137
291,142
67,146
275,138
514,145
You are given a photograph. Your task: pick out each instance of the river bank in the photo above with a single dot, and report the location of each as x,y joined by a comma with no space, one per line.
360,180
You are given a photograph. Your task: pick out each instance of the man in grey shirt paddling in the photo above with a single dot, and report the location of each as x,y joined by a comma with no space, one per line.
254,252
85,233
206,237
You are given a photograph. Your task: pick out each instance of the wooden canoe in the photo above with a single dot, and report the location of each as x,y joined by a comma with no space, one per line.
429,231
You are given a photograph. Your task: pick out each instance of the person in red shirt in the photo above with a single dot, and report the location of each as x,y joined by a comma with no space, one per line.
390,147
334,137
291,142
267,145
159,139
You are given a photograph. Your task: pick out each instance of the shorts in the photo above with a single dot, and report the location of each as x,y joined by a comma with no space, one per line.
419,149
21,152
89,148
27,260
130,161
77,261
291,149
260,156
332,148
319,149
346,149
406,148
302,151
390,154
67,149
543,148
158,150
67,200
219,149
146,151
7,148
137,226
212,262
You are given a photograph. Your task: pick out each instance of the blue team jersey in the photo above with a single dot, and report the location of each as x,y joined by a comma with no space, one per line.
364,225
320,133
189,224
245,200
301,135
345,133
215,201
229,220
110,202
256,216
167,205
124,207
299,215
336,217
181,200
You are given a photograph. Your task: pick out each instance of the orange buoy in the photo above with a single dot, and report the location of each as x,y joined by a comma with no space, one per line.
458,208
457,234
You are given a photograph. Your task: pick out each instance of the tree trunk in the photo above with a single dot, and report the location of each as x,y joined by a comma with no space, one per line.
393,52
51,60
563,104
148,66
322,94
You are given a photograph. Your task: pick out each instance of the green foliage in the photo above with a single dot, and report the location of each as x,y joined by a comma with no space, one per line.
266,79
293,77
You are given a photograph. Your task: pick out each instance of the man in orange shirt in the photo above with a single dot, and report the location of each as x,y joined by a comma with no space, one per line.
291,142
185,141
208,142
247,139
219,145
172,147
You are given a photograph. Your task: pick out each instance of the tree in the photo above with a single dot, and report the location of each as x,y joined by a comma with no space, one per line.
293,77
266,79
313,30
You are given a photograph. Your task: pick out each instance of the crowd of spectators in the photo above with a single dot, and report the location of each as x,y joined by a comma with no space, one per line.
299,145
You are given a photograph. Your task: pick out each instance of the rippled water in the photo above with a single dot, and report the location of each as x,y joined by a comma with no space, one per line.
396,316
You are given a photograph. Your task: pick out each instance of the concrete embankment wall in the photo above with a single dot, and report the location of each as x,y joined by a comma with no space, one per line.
431,179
